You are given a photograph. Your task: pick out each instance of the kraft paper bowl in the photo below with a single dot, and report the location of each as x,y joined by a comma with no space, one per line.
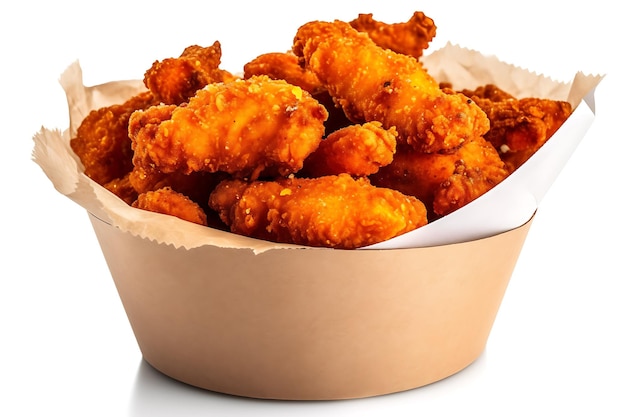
313,323
310,323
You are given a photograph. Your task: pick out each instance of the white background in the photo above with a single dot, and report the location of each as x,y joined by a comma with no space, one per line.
557,346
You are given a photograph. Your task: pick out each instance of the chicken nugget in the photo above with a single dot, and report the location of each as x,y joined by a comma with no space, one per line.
123,188
167,201
518,127
175,80
444,181
244,127
102,143
359,150
333,211
371,83
283,66
195,185
408,38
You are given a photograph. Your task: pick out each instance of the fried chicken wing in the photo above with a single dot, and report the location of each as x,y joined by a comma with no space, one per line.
175,80
371,83
519,127
167,201
408,38
359,150
333,211
244,127
444,181
102,143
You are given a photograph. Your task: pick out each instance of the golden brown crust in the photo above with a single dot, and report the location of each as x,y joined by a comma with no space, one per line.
518,127
245,128
332,211
167,201
123,188
175,80
102,141
358,150
374,84
444,181
286,66
409,38
283,66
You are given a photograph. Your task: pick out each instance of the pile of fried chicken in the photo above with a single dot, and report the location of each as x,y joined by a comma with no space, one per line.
343,141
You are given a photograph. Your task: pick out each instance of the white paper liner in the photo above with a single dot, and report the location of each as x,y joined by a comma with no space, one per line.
508,205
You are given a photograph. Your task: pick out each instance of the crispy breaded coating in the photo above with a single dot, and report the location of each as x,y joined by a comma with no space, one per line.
102,143
444,181
359,150
286,66
409,38
175,80
519,127
474,174
244,127
123,188
167,201
371,83
283,66
489,92
196,185
332,211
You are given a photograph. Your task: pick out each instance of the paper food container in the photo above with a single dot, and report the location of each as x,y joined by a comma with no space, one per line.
252,318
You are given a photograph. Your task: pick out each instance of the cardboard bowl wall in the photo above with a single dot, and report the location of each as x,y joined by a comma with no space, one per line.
312,323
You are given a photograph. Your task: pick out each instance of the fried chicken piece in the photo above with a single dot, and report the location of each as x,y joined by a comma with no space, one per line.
286,66
467,183
195,185
283,66
359,150
333,211
167,201
145,179
175,80
444,181
102,143
123,188
371,83
408,38
519,127
244,127
488,92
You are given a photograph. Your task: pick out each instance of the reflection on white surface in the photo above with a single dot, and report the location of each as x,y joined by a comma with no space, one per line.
155,395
